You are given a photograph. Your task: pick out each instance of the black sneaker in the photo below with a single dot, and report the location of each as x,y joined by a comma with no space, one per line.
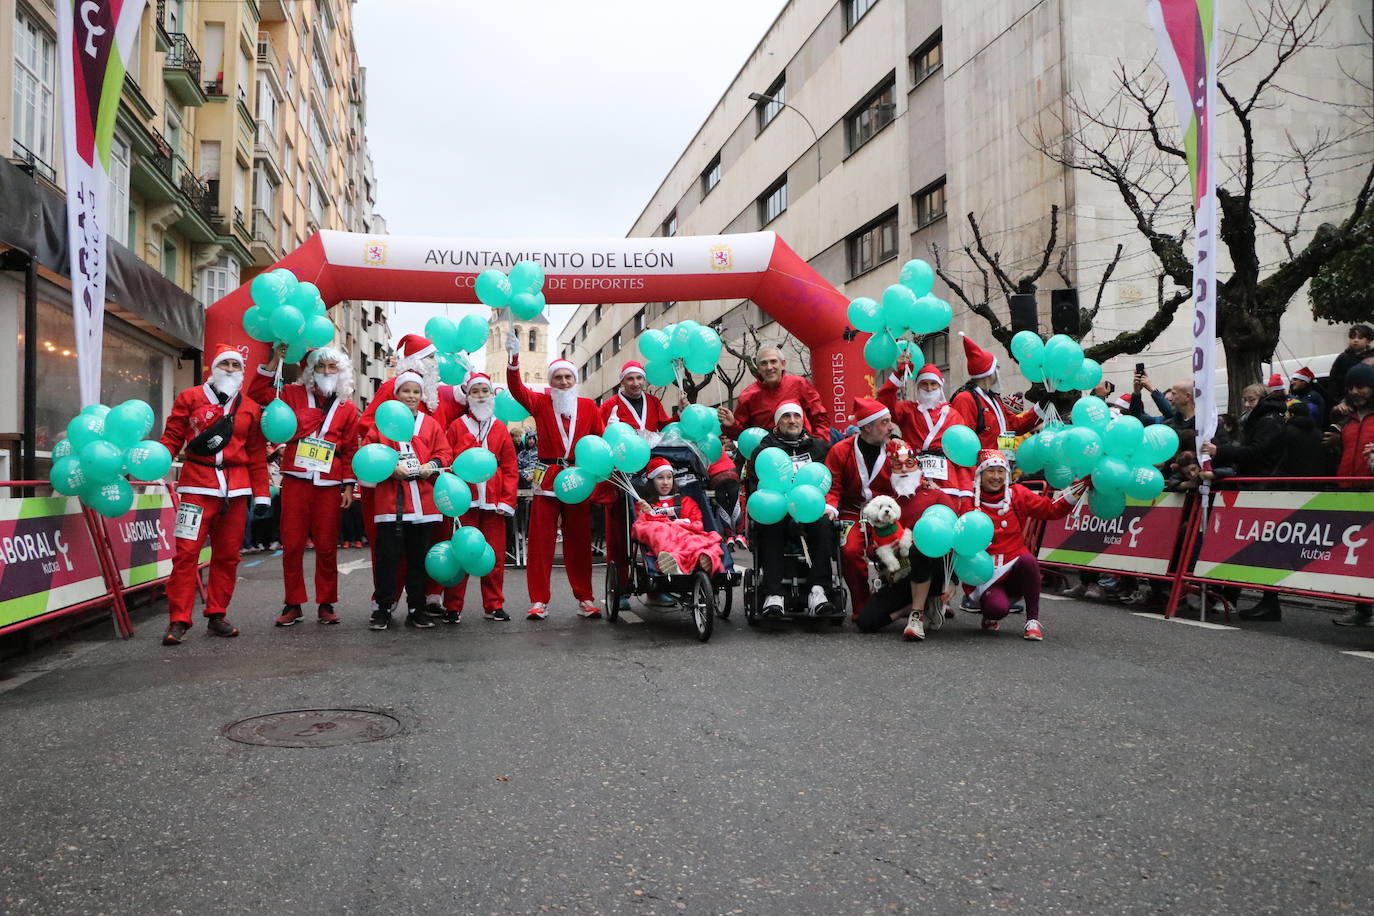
219,626
419,620
176,632
381,619
498,614
452,617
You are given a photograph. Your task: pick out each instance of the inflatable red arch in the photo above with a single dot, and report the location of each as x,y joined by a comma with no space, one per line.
757,266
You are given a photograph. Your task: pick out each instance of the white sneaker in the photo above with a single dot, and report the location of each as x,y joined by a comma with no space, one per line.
773,604
934,612
816,598
667,565
537,612
589,609
915,627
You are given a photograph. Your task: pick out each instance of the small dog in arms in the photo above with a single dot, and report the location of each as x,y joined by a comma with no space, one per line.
892,541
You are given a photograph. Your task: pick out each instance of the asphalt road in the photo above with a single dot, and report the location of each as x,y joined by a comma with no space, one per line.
1125,765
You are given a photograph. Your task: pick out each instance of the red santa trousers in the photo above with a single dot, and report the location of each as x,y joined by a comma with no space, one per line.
617,551
221,522
853,552
310,513
577,547
493,528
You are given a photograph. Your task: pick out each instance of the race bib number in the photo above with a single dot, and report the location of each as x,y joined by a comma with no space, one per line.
314,454
411,465
935,467
800,460
537,475
1006,444
188,522
845,528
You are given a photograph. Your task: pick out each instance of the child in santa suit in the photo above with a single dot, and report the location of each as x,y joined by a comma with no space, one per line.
405,514
669,524
561,418
492,502
1016,572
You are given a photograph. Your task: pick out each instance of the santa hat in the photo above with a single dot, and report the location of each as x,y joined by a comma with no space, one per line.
991,458
1122,401
1276,383
931,372
786,407
981,363
409,375
867,410
477,377
413,346
657,466
1306,375
562,364
633,367
223,352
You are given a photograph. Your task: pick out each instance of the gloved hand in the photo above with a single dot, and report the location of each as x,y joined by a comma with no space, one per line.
831,512
512,345
262,510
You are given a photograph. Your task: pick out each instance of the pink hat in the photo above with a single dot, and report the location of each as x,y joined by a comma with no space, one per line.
866,410
981,363
633,367
787,407
413,346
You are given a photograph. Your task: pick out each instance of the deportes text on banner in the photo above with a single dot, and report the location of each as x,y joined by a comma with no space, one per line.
47,558
1141,541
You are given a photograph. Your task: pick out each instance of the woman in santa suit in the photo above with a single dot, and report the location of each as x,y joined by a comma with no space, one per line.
223,467
492,502
923,426
317,476
561,418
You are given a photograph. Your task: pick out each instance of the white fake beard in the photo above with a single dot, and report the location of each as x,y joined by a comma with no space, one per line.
906,484
326,384
564,402
995,383
481,408
225,382
930,399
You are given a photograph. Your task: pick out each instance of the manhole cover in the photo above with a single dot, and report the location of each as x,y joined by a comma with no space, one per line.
314,728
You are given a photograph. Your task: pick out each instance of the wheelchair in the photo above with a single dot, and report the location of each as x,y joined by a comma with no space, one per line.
795,590
704,596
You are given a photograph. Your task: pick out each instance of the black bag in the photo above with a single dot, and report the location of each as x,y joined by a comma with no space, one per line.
214,439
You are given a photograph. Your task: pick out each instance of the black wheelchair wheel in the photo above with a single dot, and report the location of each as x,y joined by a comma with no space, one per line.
726,600
612,592
703,605
750,597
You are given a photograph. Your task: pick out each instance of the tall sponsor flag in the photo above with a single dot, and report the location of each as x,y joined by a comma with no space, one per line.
93,41
1187,32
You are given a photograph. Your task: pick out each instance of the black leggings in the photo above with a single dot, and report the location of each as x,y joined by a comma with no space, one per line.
410,545
770,547
877,613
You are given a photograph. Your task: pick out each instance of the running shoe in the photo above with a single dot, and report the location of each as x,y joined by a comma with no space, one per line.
537,611
915,627
589,610
290,616
1033,631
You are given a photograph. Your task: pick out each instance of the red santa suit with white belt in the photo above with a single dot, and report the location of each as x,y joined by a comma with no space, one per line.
411,500
987,415
558,437
214,490
650,417
1010,509
923,428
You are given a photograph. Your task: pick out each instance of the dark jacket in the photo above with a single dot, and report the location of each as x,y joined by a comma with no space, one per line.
1257,453
1166,410
1335,381
1301,453
807,445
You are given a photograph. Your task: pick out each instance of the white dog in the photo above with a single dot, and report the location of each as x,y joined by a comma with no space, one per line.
891,541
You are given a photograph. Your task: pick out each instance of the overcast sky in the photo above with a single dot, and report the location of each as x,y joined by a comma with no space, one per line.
538,117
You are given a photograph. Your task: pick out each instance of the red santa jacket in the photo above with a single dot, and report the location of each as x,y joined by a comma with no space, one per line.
338,422
1357,433
979,405
557,437
428,445
674,506
852,483
1010,509
240,468
497,494
924,431
449,407
757,405
616,407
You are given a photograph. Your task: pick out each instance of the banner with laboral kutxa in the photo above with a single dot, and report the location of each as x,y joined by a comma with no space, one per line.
93,42
47,558
1307,541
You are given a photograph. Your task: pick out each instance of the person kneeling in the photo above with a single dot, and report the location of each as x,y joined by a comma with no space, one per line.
670,526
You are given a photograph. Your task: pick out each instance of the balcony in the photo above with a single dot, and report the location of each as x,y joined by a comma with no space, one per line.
181,71
163,38
272,10
264,239
267,54
163,176
30,162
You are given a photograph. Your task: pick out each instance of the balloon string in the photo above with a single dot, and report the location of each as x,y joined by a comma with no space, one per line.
276,382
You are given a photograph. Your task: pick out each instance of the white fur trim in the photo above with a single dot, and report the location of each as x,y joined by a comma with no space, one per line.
871,417
787,407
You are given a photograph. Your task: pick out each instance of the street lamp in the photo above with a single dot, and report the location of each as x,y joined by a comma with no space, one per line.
760,97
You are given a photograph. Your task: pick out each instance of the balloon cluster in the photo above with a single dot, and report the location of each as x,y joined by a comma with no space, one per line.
906,307
597,458
685,345
466,552
749,440
1119,455
376,461
287,310
522,292
698,426
454,340
1058,363
788,489
940,530
103,445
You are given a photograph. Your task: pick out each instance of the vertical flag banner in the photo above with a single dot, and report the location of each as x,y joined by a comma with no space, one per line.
1187,33
93,42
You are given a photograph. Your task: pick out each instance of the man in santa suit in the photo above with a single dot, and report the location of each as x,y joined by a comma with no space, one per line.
858,472
923,426
560,419
317,472
493,501
224,466
980,400
758,403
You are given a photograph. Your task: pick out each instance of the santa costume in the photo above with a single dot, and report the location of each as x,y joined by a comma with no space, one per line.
647,416
671,527
859,471
995,423
923,426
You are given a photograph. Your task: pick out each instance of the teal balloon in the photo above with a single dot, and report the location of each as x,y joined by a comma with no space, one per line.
681,338
1092,413
278,421
484,563
671,433
1027,345
960,444
767,507
374,463
96,410
1088,376
932,314
67,476
442,331
805,503
452,495
319,331
1106,504
713,448
812,474
912,352
866,315
128,423
917,276
451,371
899,309
395,421
698,421
1063,357
148,460
972,533
1111,475
703,351
944,513
508,409
631,452
475,465
303,297
442,564
473,333
317,309
525,306
111,499
1030,455
288,323
1058,475
84,429
617,430
933,532
1145,483
467,544
594,456
773,468
1081,449
1123,437
1159,443
749,440
62,449
660,373
257,324
268,290
493,288
881,351
1032,367
101,460
295,351
653,345
573,485
974,570
526,277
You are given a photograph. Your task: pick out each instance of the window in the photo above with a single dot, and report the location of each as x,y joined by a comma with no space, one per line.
936,349
670,224
596,313
286,236
615,342
773,201
930,203
218,280
711,177
854,11
777,95
119,192
872,114
873,244
34,85
534,340
928,58
169,259
290,81
596,361
641,321
171,127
